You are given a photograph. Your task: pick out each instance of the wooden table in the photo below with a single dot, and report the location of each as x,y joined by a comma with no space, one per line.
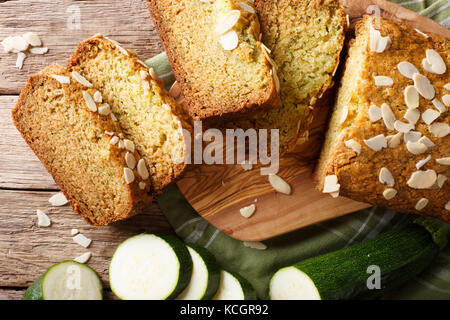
25,249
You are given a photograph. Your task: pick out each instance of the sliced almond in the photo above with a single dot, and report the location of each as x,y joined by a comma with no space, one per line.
142,170
18,44
401,126
421,33
412,115
246,7
412,136
354,145
83,258
427,66
430,115
20,59
255,245
376,143
407,69
439,129
82,240
423,86
438,105
446,99
128,175
129,145
426,141
121,144
389,193
385,177
130,160
98,97
7,45
416,147
247,165
344,115
422,203
279,184
441,180
331,184
444,161
422,162
74,232
58,200
40,50
118,46
114,140
142,185
90,103
175,90
79,78
394,140
374,113
229,40
388,116
104,109
248,211
383,81
411,97
43,219
228,21
61,79
276,80
422,179
378,43
437,63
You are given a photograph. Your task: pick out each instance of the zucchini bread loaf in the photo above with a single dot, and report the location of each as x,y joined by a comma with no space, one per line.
62,118
304,40
216,54
141,106
388,140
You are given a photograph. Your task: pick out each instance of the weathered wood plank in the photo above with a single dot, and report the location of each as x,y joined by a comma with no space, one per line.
127,21
27,250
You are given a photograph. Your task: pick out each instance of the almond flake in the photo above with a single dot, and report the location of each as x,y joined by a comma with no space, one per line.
246,7
247,165
129,145
276,80
426,141
334,194
90,103
104,109
255,245
412,115
378,43
279,184
114,140
376,143
422,179
402,126
83,258
61,79
40,50
74,232
416,147
395,140
444,161
229,40
388,116
58,200
32,39
441,180
354,145
385,177
7,45
438,105
130,160
142,185
412,136
98,97
447,206
79,78
121,145
175,90
383,81
247,212
407,69
142,170
267,56
20,59
228,22
423,86
430,115
422,203
43,219
411,97
437,63
421,33
374,113
446,99
426,65
128,175
389,193
422,162
18,44
331,184
82,240
439,129
118,46
344,115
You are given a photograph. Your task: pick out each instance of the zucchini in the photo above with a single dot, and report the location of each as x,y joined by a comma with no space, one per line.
234,287
205,278
150,267
398,255
67,280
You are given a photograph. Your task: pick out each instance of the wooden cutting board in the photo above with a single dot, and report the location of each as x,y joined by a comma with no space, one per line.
217,192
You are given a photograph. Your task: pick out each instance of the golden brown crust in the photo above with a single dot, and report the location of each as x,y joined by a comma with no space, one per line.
208,106
137,199
358,174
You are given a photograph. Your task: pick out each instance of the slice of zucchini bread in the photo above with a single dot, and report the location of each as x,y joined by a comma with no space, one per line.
216,54
304,40
64,121
388,140
138,102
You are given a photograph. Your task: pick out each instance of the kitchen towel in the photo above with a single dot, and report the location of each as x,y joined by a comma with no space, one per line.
258,266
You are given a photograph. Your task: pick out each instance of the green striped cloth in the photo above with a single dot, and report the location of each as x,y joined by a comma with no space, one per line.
259,265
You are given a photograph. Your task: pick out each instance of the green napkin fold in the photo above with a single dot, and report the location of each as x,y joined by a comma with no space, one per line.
257,266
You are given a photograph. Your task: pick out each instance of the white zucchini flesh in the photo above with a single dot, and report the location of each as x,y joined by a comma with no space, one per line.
292,284
199,279
230,288
144,267
71,281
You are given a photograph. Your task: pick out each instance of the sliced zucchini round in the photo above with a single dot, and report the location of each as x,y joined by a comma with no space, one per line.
292,284
205,275
67,280
234,287
150,267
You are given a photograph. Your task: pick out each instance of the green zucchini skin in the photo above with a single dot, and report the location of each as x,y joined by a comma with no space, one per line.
213,271
400,254
247,288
